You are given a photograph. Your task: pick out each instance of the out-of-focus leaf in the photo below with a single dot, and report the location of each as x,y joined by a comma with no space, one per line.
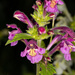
72,24
72,73
73,55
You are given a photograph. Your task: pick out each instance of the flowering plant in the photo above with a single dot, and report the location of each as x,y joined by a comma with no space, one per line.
36,51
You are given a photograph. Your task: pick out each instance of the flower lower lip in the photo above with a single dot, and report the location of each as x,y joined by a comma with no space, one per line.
32,52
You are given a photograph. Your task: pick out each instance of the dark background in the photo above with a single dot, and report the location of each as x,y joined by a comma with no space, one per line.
10,61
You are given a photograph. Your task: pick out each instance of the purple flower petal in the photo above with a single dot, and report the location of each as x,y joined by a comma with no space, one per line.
60,2
32,41
22,17
12,34
65,49
41,50
66,29
34,59
14,43
11,26
57,47
23,53
56,39
70,39
73,49
65,36
52,10
35,7
67,57
51,5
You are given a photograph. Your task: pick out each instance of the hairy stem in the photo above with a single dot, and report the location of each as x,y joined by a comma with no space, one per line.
38,65
53,22
37,68
52,27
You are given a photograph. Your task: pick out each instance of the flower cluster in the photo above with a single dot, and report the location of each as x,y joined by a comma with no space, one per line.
32,51
65,45
39,31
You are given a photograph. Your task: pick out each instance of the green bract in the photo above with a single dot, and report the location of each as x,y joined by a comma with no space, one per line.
34,34
39,16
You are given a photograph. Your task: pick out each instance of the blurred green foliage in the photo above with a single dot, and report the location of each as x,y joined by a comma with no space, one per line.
72,24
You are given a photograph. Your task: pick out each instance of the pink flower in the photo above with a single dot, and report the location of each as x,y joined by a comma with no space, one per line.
35,7
33,52
67,57
66,49
22,17
51,5
13,32
41,30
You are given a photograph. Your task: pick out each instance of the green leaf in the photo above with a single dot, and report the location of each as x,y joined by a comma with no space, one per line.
48,69
19,37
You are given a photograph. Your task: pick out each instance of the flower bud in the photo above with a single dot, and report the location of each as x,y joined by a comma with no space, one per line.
52,15
48,59
50,32
41,30
38,2
35,7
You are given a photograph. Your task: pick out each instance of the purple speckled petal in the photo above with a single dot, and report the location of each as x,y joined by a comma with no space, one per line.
14,43
66,29
34,59
23,53
41,50
67,57
11,26
22,17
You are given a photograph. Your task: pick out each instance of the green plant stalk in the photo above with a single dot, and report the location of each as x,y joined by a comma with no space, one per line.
38,65
37,68
52,27
53,22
